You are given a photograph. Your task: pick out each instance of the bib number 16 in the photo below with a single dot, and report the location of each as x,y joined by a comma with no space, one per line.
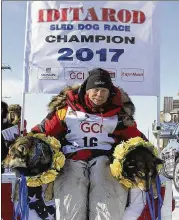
86,54
90,142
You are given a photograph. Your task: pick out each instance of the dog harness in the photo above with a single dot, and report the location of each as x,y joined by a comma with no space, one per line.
38,152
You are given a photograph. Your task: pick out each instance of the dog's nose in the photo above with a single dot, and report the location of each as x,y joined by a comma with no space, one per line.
5,166
3,163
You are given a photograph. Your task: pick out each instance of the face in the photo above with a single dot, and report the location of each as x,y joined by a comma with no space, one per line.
16,157
12,115
98,95
18,153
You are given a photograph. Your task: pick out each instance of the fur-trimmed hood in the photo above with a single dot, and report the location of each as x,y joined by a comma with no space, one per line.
16,109
118,96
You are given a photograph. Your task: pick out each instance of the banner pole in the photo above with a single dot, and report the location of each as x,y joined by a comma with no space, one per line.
158,123
22,115
25,70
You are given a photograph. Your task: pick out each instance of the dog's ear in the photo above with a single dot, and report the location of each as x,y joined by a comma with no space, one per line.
158,161
9,143
22,149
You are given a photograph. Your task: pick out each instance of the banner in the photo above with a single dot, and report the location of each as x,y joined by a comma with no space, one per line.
64,40
10,134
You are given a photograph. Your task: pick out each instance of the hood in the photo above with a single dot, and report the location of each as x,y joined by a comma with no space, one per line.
16,110
118,98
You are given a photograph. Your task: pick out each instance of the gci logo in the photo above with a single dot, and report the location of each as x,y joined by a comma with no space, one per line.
94,128
74,73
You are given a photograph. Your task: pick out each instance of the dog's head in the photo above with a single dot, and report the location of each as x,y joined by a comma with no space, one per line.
18,153
140,165
29,155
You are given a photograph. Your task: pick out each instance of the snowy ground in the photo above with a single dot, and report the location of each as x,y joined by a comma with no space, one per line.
175,214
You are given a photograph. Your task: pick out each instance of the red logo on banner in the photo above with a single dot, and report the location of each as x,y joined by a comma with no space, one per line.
75,73
94,128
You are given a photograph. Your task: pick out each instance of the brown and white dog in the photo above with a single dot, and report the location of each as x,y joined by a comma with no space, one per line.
30,156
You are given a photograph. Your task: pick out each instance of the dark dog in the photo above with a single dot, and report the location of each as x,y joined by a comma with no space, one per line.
141,165
30,156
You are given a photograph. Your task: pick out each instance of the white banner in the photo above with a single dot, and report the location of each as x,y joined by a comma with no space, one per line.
64,40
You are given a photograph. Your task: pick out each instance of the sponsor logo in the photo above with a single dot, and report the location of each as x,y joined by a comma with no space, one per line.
99,83
48,73
132,75
48,70
75,73
94,128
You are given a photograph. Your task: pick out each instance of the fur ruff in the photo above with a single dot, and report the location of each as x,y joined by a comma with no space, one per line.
59,101
127,113
16,109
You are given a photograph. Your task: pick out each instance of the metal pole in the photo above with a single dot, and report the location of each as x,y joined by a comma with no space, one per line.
25,69
22,115
158,123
